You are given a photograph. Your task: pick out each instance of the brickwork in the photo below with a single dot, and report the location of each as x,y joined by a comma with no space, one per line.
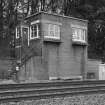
66,60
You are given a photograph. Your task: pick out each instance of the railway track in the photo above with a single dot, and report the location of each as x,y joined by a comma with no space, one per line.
15,92
50,84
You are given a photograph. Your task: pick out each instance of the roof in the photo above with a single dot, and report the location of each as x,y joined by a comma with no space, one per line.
54,14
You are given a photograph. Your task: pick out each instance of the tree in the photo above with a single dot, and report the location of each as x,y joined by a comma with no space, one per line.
1,16
94,12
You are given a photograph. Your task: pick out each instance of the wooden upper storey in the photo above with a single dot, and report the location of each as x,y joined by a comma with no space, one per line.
53,27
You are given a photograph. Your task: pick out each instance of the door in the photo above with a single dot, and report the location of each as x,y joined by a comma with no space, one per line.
52,61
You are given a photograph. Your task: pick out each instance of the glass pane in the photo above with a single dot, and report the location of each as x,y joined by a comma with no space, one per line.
81,34
25,31
74,33
51,30
57,31
18,32
34,31
78,34
84,35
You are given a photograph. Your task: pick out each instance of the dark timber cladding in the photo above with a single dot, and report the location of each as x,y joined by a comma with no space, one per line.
59,51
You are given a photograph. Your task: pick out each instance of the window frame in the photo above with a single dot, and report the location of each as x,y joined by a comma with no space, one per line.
37,30
21,31
17,35
23,26
80,35
54,32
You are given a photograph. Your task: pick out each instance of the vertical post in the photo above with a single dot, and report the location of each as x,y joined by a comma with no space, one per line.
83,62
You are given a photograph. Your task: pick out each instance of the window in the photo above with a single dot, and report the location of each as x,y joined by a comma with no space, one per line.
18,32
79,34
25,31
90,75
34,31
22,31
53,31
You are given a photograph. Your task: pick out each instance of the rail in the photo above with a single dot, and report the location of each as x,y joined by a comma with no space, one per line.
16,92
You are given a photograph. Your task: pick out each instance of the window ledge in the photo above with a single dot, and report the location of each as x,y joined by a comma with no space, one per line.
34,38
79,43
52,40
